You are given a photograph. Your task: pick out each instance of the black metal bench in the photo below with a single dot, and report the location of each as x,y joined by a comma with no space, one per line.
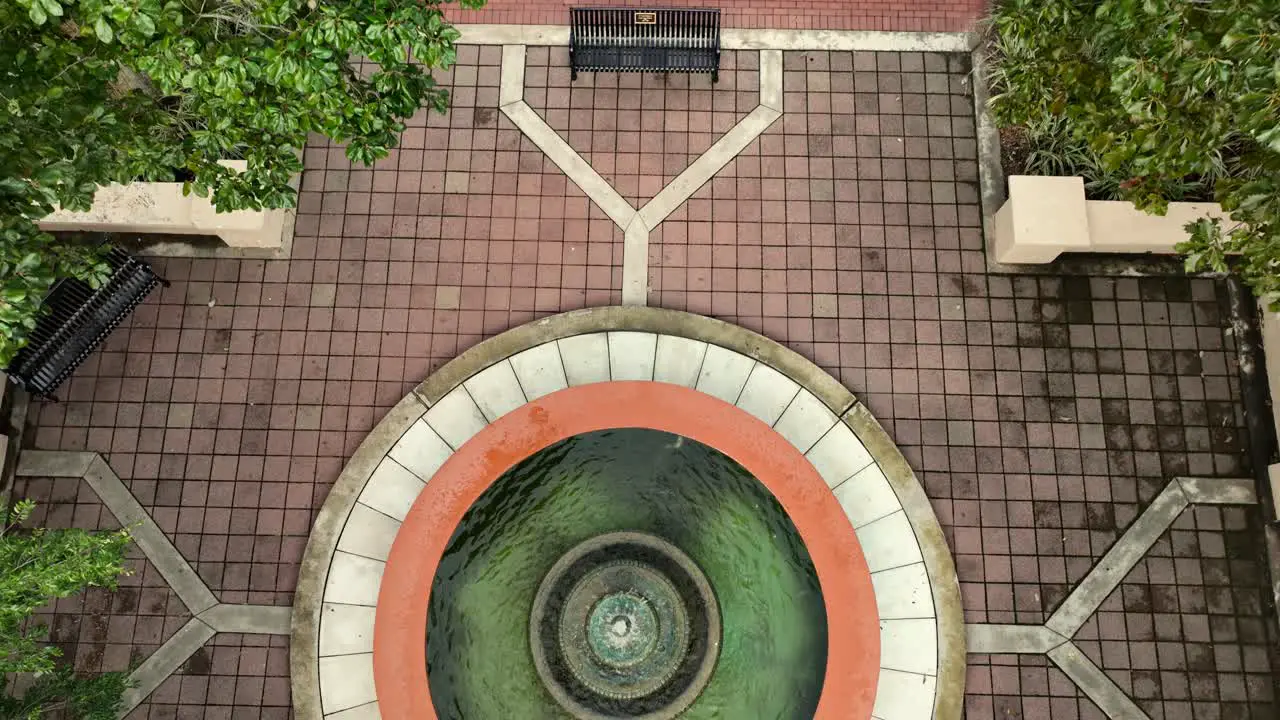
76,320
603,39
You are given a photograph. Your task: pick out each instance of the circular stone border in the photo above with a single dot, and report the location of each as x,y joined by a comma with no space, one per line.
400,634
346,652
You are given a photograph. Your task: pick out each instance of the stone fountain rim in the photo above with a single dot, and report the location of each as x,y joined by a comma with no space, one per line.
317,560
707,665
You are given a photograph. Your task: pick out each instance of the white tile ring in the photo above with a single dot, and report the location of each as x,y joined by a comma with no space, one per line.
910,629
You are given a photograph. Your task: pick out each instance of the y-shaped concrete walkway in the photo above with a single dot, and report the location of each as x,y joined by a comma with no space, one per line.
208,616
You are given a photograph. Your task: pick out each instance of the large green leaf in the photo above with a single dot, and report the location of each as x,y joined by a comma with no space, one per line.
103,29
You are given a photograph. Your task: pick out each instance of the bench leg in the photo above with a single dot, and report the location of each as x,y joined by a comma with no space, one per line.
715,76
573,73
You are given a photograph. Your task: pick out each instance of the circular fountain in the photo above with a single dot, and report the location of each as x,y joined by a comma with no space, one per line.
576,520
626,573
625,625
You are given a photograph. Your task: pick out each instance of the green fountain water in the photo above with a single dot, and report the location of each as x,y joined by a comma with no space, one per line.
773,641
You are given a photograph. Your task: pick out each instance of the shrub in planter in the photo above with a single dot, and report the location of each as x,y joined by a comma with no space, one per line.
35,566
1153,101
101,91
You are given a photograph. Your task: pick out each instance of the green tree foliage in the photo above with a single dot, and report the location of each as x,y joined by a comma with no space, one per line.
101,91
1167,95
36,566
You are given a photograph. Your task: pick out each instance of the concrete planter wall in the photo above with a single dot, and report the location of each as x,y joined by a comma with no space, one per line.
147,207
1047,216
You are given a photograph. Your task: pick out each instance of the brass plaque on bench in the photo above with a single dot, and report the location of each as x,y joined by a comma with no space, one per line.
646,18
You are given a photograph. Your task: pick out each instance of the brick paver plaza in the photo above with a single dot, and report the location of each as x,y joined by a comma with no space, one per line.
1042,413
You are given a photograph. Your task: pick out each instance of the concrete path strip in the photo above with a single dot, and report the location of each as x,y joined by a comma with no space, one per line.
1054,637
1105,577
567,159
1011,639
1104,693
164,662
745,38
635,226
149,537
248,619
126,509
635,263
709,163
209,616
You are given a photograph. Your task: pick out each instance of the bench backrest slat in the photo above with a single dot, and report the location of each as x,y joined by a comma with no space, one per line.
622,40
76,319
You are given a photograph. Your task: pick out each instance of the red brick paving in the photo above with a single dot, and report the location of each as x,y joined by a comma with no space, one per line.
1023,686
832,203
923,15
233,677
1186,632
230,402
1041,413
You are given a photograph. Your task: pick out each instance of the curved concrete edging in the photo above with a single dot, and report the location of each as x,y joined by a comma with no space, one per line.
644,319
323,543
304,672
949,701
413,548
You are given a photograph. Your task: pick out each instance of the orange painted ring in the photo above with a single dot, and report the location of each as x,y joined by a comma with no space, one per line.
400,624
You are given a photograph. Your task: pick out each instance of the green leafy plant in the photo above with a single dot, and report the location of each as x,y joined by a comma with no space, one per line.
64,693
1156,100
1055,151
35,566
102,91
